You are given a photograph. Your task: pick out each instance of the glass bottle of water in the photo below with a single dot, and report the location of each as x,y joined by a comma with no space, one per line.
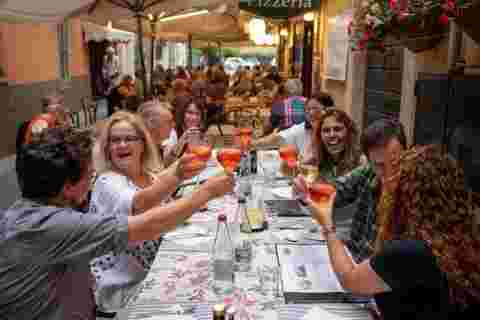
243,247
223,258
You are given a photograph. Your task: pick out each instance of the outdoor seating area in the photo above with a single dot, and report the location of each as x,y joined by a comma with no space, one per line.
239,160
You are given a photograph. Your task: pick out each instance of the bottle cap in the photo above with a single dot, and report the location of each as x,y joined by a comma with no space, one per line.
222,218
219,309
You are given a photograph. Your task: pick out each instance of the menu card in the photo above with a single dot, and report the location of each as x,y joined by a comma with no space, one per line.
307,274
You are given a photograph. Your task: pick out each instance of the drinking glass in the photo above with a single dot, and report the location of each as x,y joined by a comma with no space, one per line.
320,192
309,172
200,147
289,155
229,158
245,135
269,280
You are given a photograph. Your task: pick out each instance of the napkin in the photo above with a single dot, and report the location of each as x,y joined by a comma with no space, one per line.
283,192
317,313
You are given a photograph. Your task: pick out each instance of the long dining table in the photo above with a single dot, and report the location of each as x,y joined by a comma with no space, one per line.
179,284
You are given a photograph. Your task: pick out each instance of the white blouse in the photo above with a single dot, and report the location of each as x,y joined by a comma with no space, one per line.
118,275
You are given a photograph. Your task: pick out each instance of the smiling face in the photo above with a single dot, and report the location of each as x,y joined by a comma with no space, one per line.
313,110
126,147
192,117
334,134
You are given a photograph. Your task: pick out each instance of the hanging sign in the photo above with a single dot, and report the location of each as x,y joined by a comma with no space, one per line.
279,9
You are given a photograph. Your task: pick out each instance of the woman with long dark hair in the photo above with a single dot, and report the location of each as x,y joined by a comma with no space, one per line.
426,263
337,144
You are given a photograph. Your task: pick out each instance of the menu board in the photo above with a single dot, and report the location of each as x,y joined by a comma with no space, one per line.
337,48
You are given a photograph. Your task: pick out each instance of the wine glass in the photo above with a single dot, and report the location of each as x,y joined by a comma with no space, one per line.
229,158
200,147
320,192
309,172
245,135
289,155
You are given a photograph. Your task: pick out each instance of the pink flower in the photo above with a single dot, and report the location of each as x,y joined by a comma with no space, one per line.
443,19
392,4
450,5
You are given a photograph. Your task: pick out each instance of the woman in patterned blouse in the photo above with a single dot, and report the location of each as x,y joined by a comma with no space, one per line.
129,183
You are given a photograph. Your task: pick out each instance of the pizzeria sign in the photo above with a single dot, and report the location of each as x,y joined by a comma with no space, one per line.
279,9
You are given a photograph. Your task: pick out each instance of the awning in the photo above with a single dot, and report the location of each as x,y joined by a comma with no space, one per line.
220,24
97,33
39,10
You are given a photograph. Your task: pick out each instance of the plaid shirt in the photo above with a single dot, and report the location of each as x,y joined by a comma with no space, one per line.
359,185
288,112
294,111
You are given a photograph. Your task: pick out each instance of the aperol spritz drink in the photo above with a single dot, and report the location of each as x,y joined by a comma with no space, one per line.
288,153
320,192
229,158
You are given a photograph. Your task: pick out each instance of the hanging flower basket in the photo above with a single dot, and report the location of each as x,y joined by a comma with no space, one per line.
420,33
417,24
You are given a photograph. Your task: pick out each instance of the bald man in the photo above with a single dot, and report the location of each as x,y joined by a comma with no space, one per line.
159,120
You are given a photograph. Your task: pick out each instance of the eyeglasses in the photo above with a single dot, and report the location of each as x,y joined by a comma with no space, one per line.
126,139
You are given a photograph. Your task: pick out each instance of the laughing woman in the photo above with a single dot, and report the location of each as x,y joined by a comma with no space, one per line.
337,145
125,159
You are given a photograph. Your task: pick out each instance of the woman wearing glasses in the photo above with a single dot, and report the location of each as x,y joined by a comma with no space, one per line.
125,160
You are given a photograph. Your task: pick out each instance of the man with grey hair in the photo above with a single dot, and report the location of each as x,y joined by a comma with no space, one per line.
158,118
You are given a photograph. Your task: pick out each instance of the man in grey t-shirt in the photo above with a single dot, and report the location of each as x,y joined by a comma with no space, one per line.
46,246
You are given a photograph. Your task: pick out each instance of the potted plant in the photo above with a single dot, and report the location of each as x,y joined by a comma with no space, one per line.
416,24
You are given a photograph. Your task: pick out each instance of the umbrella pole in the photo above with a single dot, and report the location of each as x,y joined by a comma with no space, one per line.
141,54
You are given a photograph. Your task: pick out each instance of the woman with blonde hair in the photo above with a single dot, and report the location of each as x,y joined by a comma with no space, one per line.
125,159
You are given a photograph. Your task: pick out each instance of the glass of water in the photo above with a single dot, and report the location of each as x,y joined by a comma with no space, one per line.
269,280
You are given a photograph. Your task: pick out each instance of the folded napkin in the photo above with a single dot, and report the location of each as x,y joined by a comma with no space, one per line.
283,192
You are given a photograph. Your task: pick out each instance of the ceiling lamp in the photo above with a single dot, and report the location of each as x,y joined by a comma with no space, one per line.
257,26
309,16
264,39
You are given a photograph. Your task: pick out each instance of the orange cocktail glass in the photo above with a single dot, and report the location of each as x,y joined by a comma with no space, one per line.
229,158
245,138
321,192
202,152
288,153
